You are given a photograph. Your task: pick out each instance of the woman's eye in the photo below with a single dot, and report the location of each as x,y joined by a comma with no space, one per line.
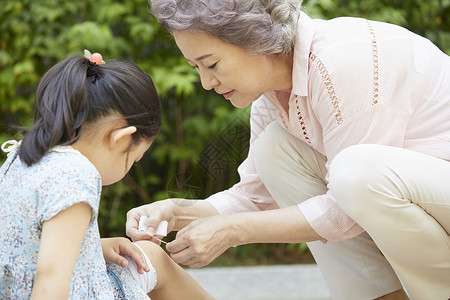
212,66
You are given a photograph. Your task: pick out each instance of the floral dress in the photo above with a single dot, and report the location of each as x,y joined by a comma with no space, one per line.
31,195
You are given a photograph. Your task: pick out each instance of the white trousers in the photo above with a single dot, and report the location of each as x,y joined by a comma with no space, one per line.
400,197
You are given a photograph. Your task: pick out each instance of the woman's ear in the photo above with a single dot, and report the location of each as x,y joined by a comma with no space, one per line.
121,134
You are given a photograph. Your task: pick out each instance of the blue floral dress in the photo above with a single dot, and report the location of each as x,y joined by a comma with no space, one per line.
31,195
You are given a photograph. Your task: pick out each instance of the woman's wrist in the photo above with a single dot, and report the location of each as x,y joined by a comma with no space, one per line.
286,225
237,229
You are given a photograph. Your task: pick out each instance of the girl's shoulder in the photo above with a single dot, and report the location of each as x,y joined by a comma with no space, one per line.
66,161
67,168
65,177
60,166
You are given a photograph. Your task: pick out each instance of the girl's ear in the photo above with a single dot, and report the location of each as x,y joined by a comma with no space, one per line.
121,134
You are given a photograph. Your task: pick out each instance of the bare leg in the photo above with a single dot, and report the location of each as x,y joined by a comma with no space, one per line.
172,281
397,295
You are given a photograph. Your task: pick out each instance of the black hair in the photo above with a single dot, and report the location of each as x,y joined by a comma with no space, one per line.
76,91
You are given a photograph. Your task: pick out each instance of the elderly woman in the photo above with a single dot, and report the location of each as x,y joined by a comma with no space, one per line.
349,152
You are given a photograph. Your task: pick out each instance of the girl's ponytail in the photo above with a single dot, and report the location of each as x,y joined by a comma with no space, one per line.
60,109
76,91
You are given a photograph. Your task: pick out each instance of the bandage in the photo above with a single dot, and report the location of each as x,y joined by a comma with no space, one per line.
161,230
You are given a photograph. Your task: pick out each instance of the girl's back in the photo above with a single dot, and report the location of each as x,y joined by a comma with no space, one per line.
32,195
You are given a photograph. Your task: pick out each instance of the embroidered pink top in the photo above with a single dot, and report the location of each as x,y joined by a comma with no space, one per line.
354,81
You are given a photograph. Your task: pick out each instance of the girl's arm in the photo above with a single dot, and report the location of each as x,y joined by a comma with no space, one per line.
61,241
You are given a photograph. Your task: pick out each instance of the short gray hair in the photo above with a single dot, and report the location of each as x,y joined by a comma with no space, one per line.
259,26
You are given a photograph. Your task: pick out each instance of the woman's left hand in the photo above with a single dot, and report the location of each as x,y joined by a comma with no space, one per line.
202,241
114,248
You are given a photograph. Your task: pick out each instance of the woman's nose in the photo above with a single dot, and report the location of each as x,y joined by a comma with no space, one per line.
208,80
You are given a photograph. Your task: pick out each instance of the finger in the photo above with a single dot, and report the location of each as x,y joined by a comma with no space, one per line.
159,237
141,263
150,230
156,240
184,257
118,260
132,230
179,258
134,217
153,238
132,221
197,260
196,263
152,223
136,254
137,235
178,245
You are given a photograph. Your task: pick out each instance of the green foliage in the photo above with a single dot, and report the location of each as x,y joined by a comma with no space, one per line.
37,34
203,138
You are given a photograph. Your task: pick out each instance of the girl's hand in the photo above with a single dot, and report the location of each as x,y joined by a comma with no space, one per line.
114,248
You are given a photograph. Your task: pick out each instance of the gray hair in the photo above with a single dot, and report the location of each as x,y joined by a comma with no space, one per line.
259,26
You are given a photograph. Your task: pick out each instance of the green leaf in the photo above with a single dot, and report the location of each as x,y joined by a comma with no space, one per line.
90,35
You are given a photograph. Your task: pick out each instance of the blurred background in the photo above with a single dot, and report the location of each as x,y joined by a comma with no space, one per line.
203,138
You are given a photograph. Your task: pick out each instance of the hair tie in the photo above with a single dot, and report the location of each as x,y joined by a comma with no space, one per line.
95,59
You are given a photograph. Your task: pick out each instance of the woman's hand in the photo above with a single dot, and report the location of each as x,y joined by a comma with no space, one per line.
114,248
156,212
177,212
202,241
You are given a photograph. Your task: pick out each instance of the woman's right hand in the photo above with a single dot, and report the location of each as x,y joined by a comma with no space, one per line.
177,212
156,212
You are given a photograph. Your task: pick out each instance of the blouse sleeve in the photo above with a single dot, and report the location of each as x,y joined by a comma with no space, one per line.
250,193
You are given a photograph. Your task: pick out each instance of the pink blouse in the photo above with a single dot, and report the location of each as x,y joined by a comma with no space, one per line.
354,82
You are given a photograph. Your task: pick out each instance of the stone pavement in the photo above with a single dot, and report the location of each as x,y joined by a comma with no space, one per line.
280,282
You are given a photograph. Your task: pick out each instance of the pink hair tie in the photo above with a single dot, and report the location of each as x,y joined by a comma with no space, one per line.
95,58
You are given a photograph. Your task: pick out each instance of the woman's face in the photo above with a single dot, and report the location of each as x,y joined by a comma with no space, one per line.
231,71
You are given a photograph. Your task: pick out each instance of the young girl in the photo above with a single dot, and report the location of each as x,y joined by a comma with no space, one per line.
92,122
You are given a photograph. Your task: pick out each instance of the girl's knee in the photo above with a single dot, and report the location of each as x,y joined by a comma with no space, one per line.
159,259
153,251
146,280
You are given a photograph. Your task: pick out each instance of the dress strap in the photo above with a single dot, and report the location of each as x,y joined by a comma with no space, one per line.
10,146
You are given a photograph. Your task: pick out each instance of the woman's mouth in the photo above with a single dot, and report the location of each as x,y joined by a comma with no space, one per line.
228,95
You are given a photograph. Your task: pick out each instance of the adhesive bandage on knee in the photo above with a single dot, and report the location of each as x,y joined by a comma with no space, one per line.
147,281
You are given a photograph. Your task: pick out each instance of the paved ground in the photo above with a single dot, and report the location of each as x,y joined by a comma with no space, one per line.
282,282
